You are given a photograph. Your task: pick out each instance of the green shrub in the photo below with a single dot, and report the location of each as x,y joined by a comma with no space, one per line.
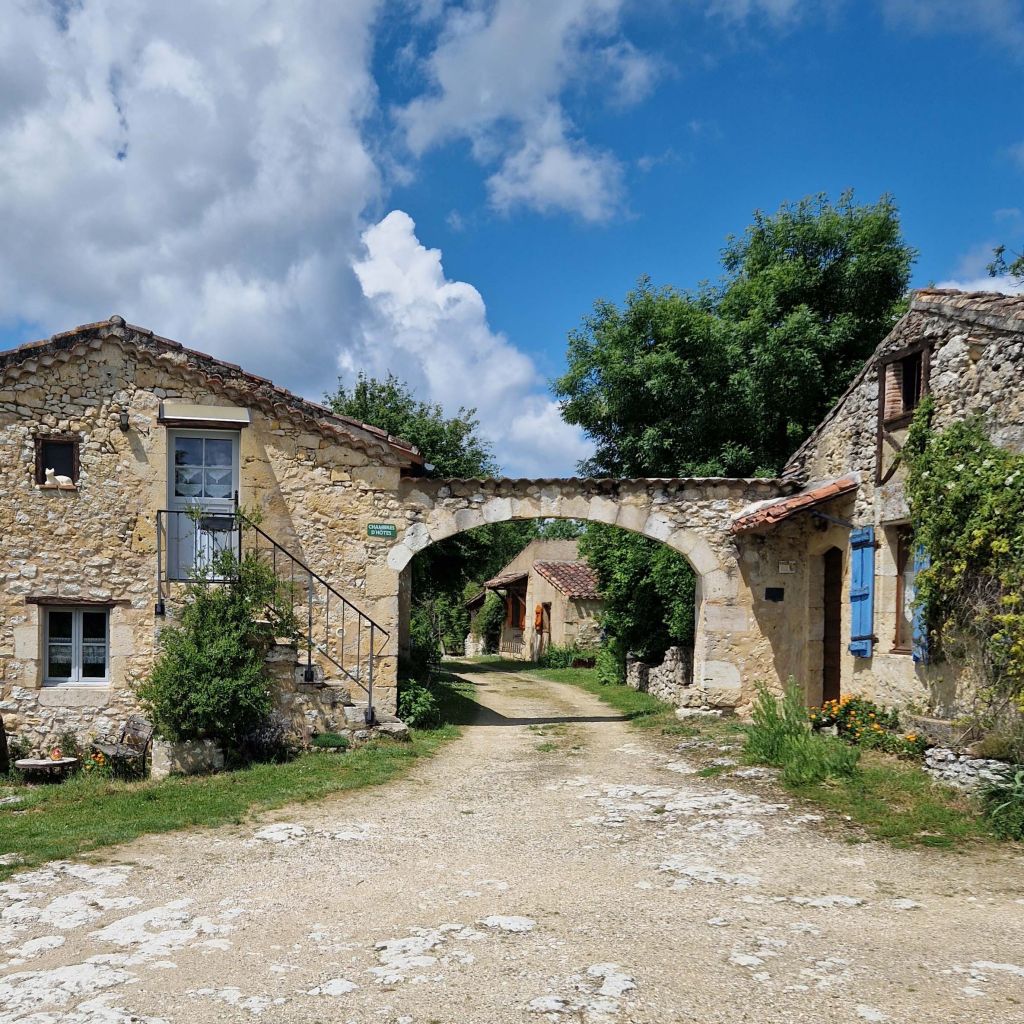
330,741
566,656
489,621
210,679
862,721
418,705
1004,805
424,644
781,735
611,662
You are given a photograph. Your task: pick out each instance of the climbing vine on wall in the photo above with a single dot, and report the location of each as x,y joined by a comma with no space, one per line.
966,498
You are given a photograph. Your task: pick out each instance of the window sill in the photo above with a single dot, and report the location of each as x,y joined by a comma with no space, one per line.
56,487
898,422
74,695
905,651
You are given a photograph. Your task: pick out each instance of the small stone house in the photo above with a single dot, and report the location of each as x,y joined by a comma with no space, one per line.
111,441
844,542
551,597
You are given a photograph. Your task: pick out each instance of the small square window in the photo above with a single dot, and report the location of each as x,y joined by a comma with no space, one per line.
77,645
59,454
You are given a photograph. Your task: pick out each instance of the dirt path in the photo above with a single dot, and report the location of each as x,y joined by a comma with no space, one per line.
554,864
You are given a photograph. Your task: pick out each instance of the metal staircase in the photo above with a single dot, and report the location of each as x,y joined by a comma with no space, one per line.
331,630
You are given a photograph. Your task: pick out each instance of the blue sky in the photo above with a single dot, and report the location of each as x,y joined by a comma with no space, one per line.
443,189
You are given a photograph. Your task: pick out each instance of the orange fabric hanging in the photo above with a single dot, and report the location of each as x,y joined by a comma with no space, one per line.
538,617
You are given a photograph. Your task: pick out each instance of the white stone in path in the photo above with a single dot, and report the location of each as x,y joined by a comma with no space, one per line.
334,987
869,1013
508,924
282,833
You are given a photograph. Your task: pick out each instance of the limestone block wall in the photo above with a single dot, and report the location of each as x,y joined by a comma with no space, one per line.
97,542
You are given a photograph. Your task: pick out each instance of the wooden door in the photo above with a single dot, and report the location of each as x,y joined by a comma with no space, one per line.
832,640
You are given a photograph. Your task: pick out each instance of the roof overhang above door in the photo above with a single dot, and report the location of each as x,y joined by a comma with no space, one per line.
223,417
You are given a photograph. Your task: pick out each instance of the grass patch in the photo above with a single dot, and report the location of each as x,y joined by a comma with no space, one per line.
57,822
898,802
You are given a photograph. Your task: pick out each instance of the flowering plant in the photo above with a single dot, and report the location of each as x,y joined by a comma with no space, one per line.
859,720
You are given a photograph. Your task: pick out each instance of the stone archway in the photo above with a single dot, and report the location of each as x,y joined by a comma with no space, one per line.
691,516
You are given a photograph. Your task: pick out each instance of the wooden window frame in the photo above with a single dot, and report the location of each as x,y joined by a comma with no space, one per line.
76,678
904,553
886,424
73,439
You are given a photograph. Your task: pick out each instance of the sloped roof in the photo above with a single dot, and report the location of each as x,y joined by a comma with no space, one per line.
770,513
222,377
577,580
504,579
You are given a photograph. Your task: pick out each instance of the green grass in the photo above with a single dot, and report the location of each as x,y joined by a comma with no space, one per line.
56,822
898,802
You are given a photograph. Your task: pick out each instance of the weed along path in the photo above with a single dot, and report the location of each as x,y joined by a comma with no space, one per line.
555,864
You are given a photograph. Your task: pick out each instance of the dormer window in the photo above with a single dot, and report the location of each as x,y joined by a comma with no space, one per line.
59,455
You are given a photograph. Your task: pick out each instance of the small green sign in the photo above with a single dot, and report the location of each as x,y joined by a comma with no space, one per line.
388,530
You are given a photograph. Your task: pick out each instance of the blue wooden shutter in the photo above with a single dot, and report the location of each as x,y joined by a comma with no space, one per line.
919,628
862,592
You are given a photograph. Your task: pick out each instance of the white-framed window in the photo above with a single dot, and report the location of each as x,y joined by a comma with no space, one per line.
76,646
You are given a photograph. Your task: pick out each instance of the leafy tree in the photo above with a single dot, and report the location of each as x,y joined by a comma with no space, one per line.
1007,263
727,379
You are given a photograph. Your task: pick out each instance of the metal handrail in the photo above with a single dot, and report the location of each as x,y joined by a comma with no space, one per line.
362,677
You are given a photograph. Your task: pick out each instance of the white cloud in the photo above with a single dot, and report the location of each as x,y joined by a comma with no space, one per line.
206,170
1006,285
778,11
497,78
434,332
1002,20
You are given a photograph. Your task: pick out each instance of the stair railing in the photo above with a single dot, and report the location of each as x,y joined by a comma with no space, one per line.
187,544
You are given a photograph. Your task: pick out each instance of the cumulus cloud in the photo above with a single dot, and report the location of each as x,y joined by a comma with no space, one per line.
497,78
1006,285
208,170
1002,20
434,332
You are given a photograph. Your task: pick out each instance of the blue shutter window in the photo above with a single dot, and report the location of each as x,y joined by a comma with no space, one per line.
862,592
919,632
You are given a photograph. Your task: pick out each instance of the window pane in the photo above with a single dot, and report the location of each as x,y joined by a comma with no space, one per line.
58,661
60,626
94,626
60,457
218,451
188,483
188,451
218,483
94,659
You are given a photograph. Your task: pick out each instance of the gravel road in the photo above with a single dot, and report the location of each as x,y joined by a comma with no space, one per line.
555,864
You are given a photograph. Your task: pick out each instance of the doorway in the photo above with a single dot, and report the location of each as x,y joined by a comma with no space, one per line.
831,662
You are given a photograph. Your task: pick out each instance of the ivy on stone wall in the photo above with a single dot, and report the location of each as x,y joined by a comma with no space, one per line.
966,497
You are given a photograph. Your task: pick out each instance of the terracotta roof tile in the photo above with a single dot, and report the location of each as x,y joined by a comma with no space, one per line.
768,514
504,579
577,580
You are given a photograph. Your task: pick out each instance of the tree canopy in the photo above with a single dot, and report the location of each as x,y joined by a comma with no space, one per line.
726,379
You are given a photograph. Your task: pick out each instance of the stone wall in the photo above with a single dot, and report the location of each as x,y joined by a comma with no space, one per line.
671,681
315,489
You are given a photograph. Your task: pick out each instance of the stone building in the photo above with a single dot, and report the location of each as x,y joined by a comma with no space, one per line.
551,598
121,454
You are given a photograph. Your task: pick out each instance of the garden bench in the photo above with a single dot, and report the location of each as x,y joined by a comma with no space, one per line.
130,748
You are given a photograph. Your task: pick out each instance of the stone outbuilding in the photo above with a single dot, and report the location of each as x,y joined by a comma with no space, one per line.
551,597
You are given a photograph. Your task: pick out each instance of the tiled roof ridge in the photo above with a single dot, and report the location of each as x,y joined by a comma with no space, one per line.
262,391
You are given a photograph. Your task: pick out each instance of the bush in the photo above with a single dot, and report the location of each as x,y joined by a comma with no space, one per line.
210,679
418,705
330,741
1004,805
781,735
566,656
611,661
861,721
424,645
489,621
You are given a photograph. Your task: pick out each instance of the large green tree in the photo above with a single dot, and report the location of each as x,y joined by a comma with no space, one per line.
728,378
